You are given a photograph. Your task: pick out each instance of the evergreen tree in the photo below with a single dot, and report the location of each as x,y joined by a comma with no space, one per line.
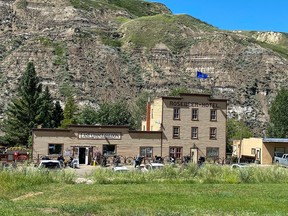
278,125
21,113
46,109
69,113
57,115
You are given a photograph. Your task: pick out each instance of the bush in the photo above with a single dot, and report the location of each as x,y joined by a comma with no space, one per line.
209,173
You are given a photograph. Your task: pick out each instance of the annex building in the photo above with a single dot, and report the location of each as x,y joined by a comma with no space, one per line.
187,125
261,150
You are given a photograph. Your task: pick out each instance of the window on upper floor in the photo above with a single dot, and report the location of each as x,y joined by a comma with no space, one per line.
176,132
194,133
213,133
195,113
213,115
176,113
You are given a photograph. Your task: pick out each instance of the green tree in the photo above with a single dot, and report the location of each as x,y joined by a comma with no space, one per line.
22,111
139,109
278,125
87,116
116,113
236,130
46,110
69,112
58,115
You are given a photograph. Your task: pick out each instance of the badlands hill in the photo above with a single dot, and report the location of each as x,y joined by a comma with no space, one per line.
103,50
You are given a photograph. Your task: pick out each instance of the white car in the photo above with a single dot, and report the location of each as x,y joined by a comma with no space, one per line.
50,164
120,169
154,166
240,165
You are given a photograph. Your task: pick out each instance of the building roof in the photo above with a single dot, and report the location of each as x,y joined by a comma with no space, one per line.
210,96
276,140
98,126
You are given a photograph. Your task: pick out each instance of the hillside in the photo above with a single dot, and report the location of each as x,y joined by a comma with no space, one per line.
110,49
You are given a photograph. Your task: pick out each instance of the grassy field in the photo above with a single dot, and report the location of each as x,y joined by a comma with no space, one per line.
135,193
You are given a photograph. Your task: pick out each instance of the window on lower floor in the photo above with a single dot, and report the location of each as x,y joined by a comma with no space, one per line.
55,149
109,150
176,132
175,152
147,152
212,152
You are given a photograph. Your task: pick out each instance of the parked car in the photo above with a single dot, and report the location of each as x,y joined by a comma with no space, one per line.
240,165
120,169
154,166
50,164
281,160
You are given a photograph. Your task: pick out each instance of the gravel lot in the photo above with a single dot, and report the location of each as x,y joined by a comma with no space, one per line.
85,170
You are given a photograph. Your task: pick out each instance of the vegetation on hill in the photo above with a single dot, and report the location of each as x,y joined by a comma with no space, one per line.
175,31
279,44
136,8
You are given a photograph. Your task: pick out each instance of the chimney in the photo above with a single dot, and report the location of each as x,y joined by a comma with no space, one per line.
148,110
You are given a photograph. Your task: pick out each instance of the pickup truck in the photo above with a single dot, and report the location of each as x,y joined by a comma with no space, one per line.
282,161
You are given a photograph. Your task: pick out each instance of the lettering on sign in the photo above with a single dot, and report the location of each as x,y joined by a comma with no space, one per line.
193,104
100,136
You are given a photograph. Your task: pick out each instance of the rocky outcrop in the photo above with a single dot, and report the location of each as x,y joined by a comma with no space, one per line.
93,51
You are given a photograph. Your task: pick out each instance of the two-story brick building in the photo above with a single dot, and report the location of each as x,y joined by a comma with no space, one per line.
187,125
191,124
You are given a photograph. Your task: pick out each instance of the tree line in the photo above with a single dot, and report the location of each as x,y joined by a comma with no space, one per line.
32,107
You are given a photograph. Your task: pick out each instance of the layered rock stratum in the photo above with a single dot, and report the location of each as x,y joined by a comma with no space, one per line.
103,50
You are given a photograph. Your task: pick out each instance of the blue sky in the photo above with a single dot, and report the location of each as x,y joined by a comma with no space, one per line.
257,15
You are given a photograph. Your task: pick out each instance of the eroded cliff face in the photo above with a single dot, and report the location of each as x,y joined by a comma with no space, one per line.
87,51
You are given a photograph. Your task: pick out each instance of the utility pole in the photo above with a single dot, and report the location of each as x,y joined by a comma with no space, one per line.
241,137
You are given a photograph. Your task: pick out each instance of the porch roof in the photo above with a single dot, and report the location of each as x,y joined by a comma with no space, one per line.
275,140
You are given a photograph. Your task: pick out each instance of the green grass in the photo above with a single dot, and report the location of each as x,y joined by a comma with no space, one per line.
212,190
89,5
172,30
137,8
140,8
281,50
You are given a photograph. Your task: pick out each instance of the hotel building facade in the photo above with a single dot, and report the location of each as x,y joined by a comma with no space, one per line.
187,125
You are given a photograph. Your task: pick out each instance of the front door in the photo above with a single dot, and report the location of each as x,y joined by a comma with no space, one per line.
194,155
82,155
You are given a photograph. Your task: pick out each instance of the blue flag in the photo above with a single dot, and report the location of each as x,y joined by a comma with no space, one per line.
201,75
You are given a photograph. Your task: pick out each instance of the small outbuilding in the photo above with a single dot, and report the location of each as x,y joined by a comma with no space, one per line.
260,150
